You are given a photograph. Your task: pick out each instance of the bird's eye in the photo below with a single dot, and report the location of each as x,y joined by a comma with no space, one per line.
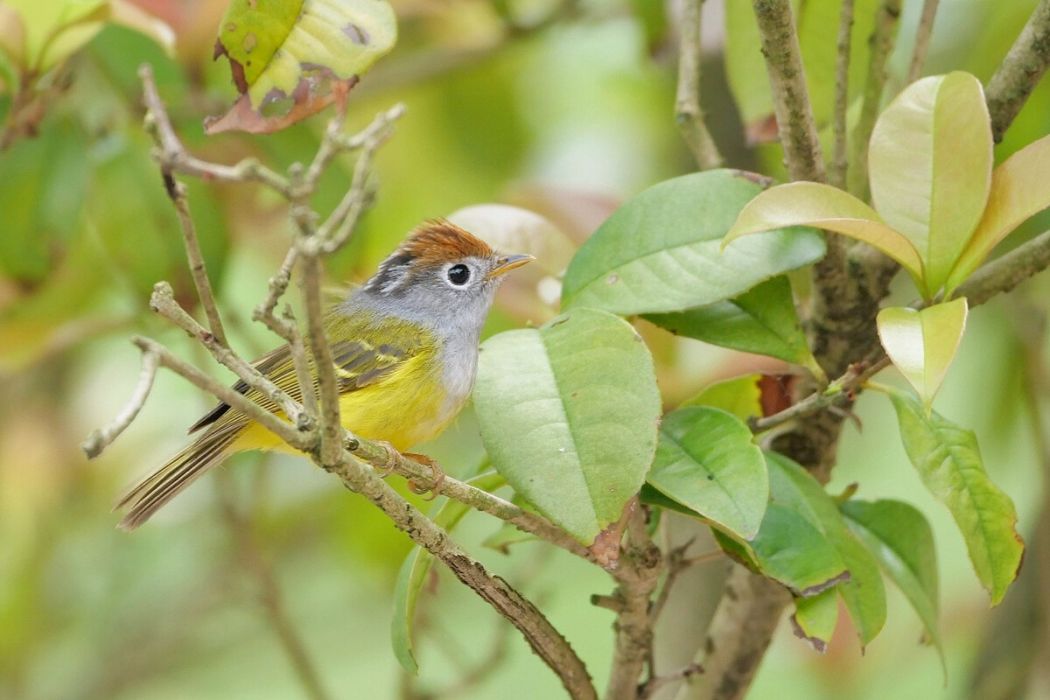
458,275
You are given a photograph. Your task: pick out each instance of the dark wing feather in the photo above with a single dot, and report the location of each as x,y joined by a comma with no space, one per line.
358,362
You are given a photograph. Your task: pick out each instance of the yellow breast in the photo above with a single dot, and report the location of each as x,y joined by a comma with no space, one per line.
407,407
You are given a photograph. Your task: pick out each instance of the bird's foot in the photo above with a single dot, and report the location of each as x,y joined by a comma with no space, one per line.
435,469
390,463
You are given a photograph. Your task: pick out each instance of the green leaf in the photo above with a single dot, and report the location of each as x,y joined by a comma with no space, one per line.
930,166
660,251
901,540
285,54
42,206
815,618
706,460
762,320
922,344
863,593
789,549
413,573
949,462
740,396
569,412
814,204
1019,190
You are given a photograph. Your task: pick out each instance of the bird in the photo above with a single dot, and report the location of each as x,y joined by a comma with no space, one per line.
405,348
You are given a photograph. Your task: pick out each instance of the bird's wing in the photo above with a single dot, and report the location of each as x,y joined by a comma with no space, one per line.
371,353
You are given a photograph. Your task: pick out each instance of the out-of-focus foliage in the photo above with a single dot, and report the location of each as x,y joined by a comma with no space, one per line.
567,118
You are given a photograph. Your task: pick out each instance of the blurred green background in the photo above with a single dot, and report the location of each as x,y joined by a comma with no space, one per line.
562,108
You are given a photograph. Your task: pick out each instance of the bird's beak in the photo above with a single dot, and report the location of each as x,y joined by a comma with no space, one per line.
508,263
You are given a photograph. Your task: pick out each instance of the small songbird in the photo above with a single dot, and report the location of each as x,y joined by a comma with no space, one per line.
405,346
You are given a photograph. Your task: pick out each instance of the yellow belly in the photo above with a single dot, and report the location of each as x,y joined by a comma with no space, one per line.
404,409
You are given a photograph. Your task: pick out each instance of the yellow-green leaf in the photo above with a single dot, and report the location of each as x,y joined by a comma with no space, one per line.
823,206
1020,189
289,57
740,396
815,618
930,167
922,344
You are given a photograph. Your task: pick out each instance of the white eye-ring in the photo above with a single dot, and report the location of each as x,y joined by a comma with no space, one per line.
458,275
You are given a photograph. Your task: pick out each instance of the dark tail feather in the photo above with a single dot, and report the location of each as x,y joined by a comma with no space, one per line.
150,494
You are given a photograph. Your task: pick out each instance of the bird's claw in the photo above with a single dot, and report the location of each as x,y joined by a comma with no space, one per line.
390,463
435,469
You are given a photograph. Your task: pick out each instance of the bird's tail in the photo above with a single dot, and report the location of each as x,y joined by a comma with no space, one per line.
150,494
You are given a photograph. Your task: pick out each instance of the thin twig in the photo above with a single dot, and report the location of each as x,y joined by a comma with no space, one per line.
173,156
544,639
226,394
922,40
331,430
286,328
887,17
383,458
689,112
198,269
798,131
103,437
839,155
167,142
1021,69
335,232
163,302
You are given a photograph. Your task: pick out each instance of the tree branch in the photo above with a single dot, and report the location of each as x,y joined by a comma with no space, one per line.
1021,69
101,438
163,302
173,157
544,639
738,636
839,158
798,131
922,40
637,577
887,18
688,110
303,442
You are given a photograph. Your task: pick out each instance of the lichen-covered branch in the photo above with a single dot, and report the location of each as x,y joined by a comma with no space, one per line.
839,155
1021,69
689,112
798,130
